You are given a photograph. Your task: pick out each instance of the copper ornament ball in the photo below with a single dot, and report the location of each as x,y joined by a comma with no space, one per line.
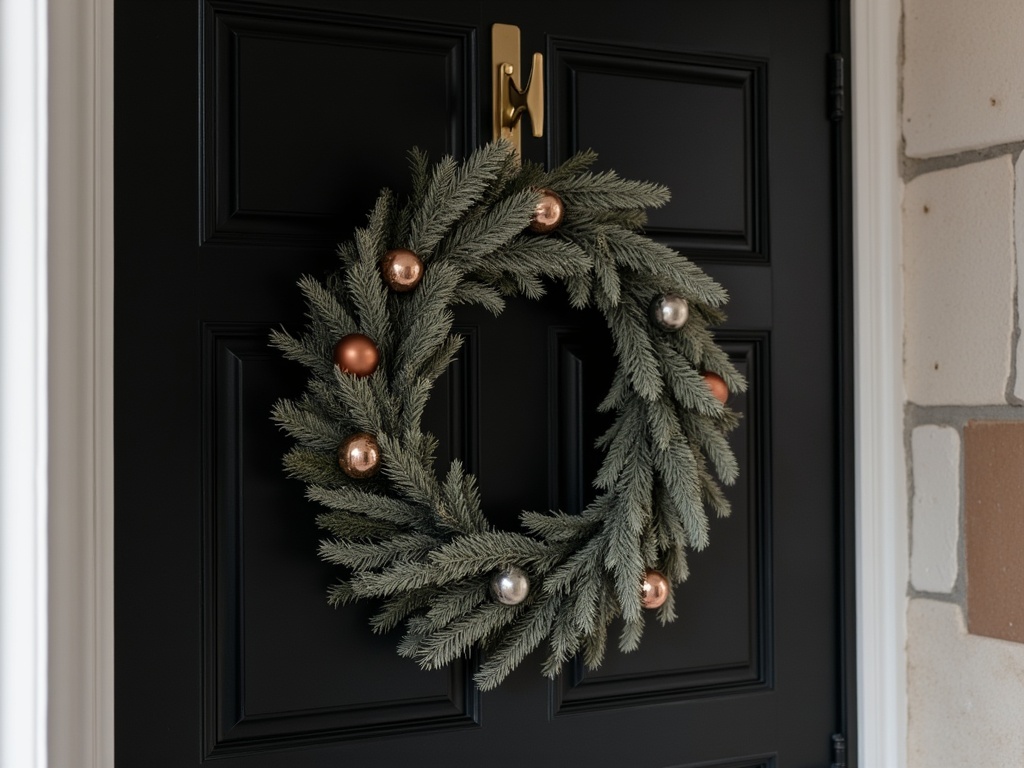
359,455
548,214
356,354
717,386
402,269
655,590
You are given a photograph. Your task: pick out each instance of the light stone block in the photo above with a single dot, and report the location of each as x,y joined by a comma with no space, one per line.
935,531
965,693
958,268
963,83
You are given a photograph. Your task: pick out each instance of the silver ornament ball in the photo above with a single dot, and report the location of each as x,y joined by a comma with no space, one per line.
510,586
670,311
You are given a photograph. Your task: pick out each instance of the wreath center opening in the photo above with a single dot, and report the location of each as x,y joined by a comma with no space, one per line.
519,405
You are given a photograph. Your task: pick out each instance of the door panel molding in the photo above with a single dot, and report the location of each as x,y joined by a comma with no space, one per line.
575,387
460,421
675,93
754,761
247,710
624,680
305,70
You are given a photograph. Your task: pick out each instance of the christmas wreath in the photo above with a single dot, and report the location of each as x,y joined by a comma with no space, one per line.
380,333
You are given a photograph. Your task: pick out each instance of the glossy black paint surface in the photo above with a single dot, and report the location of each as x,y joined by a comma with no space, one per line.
252,136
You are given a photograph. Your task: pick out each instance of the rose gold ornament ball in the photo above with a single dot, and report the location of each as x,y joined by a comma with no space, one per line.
402,269
359,455
356,354
548,214
717,386
655,590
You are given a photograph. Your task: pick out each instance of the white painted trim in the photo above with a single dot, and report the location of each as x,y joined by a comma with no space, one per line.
23,374
82,713
881,540
81,654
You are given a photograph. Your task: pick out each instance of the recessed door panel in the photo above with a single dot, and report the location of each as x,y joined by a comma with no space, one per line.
706,116
283,667
298,103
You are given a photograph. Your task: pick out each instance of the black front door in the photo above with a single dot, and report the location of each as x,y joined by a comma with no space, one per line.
253,136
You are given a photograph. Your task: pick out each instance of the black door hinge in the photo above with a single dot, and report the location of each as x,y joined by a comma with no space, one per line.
838,750
836,86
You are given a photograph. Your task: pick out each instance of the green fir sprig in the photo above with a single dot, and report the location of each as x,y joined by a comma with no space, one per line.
421,545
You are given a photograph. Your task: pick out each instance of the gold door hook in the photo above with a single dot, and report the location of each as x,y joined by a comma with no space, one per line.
510,101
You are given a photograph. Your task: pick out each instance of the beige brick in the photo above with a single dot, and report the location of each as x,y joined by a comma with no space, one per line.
964,693
958,265
936,518
963,83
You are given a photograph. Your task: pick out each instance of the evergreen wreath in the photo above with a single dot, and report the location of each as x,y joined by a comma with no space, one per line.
377,339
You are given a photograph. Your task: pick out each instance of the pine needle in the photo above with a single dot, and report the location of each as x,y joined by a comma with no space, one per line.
422,545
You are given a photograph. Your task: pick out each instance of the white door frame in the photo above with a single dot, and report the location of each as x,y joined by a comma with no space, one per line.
880,484
23,373
81,520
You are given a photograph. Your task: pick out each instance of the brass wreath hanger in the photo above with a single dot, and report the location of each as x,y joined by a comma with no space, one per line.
511,101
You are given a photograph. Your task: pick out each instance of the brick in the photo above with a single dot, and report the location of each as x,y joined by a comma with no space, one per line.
964,693
963,84
958,284
936,508
994,528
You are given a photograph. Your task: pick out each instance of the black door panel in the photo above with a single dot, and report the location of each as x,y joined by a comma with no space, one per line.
252,137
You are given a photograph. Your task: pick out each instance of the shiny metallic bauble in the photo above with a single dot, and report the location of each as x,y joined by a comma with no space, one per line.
670,311
717,386
654,592
402,269
359,455
356,354
510,586
548,214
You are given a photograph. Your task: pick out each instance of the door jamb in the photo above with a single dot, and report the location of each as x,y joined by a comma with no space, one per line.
881,546
81,519
81,391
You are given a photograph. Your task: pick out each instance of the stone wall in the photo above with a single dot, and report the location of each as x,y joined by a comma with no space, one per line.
963,223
